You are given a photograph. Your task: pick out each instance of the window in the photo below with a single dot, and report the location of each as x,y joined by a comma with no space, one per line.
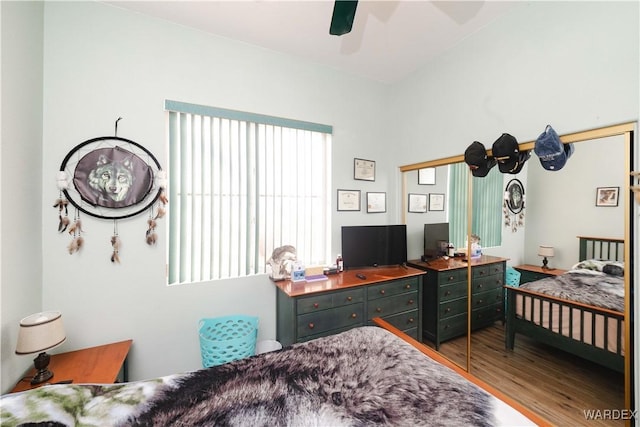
487,206
241,185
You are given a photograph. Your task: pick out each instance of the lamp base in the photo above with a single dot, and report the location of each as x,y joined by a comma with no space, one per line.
43,374
545,261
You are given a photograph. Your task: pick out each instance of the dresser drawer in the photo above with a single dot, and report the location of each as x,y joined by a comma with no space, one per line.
452,291
485,316
487,283
487,270
396,287
453,307
452,327
322,321
483,299
326,301
452,276
404,321
391,305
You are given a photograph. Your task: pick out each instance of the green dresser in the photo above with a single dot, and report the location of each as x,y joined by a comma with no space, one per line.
445,304
311,310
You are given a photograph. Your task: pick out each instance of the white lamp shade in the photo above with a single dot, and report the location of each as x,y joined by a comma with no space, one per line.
40,332
546,251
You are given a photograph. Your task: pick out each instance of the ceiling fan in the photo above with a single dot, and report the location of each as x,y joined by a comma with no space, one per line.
344,11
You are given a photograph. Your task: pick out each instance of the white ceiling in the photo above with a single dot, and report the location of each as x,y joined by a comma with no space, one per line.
389,39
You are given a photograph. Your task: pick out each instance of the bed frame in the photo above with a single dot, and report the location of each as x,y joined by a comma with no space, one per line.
613,358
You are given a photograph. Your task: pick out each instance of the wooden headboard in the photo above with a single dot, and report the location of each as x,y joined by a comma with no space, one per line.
601,248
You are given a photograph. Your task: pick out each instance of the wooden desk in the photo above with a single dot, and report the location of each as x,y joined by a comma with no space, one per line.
95,365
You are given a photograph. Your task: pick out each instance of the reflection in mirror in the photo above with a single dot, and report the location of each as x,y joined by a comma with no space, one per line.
559,206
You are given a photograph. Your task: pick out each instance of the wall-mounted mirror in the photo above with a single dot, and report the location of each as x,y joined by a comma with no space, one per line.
558,206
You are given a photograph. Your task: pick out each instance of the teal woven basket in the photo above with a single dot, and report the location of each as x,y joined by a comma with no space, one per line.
512,277
228,338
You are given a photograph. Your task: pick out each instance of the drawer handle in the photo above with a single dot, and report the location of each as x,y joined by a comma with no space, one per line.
316,305
448,309
447,293
349,298
411,320
479,301
482,273
480,286
311,326
411,302
450,278
446,326
378,310
407,286
354,315
381,291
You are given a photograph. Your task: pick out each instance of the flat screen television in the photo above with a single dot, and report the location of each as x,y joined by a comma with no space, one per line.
374,245
434,235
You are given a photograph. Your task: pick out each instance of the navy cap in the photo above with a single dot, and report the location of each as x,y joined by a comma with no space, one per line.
553,154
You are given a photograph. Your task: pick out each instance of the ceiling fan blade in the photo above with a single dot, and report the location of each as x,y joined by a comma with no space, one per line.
344,11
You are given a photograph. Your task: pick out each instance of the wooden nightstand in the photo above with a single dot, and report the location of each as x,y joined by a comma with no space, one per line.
531,273
104,364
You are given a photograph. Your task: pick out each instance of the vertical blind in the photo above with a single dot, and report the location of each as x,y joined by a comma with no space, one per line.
487,206
241,185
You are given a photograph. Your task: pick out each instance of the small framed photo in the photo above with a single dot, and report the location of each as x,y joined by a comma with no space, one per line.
376,202
348,200
436,201
417,203
427,176
607,196
364,170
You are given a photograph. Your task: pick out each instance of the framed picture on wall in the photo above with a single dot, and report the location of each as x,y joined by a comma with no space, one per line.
376,202
436,201
427,176
348,200
607,196
364,170
417,203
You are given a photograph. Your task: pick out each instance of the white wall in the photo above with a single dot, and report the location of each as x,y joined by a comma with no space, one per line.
20,180
102,63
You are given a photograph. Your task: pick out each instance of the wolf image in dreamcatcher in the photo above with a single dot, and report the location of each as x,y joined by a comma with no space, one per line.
109,178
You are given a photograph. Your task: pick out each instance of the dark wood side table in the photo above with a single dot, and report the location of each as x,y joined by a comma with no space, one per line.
531,273
97,365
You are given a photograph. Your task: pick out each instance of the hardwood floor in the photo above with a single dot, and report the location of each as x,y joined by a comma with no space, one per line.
558,386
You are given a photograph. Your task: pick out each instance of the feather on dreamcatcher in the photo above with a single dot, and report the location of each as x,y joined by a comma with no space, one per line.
109,178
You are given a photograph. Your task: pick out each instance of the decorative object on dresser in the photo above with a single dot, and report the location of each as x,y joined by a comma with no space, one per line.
38,333
445,295
310,310
103,364
545,252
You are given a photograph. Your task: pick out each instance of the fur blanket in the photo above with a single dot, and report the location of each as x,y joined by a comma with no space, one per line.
365,376
585,286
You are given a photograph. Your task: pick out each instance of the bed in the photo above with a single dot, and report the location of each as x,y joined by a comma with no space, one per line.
370,375
581,311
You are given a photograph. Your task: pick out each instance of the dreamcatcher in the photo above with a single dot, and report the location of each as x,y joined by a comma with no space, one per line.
513,205
109,178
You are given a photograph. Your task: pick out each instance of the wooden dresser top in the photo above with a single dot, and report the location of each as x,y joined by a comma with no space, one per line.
441,264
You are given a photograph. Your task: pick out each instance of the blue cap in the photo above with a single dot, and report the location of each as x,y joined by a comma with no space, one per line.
553,154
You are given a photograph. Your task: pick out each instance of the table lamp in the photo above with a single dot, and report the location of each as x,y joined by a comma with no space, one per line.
38,333
545,251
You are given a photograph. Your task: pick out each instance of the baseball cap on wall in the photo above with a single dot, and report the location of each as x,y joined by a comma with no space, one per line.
507,153
553,154
479,162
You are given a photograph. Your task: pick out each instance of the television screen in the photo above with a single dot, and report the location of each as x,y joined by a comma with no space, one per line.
434,234
374,245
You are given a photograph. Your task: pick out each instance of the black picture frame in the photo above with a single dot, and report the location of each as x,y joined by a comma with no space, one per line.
364,170
427,176
376,202
436,201
349,200
607,196
417,203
